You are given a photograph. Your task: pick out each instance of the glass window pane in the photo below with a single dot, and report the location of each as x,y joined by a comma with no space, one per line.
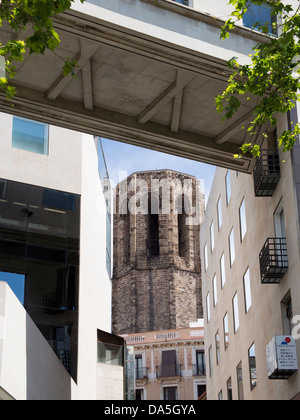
231,247
228,188
58,199
208,307
229,390
257,16
218,347
30,135
243,224
239,373
222,269
236,313
226,331
215,290
212,237
219,208
247,290
205,257
252,367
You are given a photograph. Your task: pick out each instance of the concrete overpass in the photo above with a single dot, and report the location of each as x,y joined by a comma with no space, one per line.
149,71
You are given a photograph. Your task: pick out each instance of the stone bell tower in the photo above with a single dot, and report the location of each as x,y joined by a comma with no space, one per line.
157,276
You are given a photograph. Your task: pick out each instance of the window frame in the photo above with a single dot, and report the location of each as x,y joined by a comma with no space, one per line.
45,126
236,316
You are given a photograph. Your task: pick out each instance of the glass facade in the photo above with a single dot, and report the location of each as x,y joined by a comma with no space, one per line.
104,176
39,241
257,17
30,135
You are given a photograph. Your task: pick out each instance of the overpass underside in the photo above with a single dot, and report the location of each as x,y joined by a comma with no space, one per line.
148,74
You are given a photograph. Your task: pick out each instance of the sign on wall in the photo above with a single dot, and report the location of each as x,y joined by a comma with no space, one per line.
281,357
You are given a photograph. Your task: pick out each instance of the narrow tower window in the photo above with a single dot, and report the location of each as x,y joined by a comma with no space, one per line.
153,228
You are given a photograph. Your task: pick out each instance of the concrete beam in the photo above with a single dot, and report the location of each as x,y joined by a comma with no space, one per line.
101,122
182,80
87,50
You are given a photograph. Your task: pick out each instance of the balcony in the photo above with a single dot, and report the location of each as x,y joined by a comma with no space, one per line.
141,373
168,371
273,260
266,173
199,370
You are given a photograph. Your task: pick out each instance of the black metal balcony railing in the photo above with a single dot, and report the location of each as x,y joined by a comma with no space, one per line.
266,173
167,371
141,373
199,370
273,260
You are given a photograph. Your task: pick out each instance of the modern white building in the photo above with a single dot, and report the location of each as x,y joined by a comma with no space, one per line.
55,286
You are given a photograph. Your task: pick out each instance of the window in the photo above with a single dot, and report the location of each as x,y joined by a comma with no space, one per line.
243,224
239,374
30,135
228,187
215,290
219,211
153,228
201,365
210,361
222,270
226,331
205,257
212,237
139,394
58,199
184,2
139,372
287,314
260,18
3,189
229,389
183,229
220,395
208,307
252,367
170,393
218,347
231,247
16,282
247,291
236,319
110,354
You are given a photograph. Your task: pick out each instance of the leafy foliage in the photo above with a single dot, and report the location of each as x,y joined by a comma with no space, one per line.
273,76
36,15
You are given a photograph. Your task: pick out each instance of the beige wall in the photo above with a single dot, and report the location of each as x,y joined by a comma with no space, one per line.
264,319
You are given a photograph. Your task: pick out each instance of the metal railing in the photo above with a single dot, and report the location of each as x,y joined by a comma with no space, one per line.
141,373
273,260
166,371
266,173
199,370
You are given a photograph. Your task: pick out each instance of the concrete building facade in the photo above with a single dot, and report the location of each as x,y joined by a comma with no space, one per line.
157,276
250,254
53,218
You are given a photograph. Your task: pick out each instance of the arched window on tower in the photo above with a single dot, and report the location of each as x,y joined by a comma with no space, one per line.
183,229
153,226
125,231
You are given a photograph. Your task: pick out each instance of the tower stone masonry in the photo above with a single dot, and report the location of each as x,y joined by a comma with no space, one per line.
157,274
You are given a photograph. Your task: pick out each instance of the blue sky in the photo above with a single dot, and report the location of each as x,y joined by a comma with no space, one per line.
121,157
16,283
